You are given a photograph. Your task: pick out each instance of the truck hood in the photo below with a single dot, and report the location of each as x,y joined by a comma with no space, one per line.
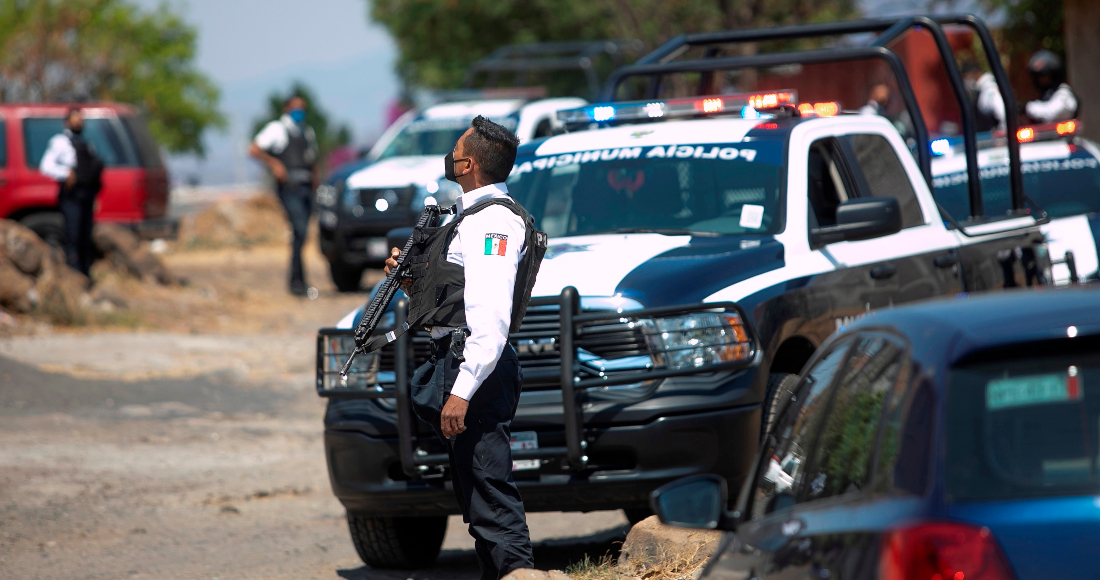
398,172
653,269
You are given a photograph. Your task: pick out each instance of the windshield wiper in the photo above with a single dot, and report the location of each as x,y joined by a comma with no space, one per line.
664,232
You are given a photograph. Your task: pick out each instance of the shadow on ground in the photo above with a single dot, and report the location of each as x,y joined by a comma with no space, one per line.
555,554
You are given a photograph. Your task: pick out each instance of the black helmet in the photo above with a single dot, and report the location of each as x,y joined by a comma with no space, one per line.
1044,62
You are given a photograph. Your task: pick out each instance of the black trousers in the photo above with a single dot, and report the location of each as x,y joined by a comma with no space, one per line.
481,464
297,200
76,208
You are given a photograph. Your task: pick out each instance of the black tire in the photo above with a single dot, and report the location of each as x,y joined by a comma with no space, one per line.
397,543
49,225
780,386
635,515
346,277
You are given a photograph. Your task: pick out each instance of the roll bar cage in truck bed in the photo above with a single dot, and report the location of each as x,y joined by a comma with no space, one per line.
572,323
662,61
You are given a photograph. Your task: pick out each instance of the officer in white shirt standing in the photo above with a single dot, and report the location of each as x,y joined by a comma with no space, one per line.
73,163
483,373
288,147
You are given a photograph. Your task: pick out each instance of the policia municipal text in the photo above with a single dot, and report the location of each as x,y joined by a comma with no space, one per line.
470,285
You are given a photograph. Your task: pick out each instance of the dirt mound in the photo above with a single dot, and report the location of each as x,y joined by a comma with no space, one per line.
256,219
124,250
34,276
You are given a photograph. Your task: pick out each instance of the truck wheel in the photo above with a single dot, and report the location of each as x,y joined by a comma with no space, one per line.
345,276
49,225
780,386
403,543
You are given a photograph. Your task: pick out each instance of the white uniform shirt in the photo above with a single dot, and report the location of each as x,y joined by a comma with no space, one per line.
275,135
59,160
1059,107
989,99
488,246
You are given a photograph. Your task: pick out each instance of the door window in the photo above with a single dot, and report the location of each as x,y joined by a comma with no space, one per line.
827,187
842,458
782,472
3,143
883,174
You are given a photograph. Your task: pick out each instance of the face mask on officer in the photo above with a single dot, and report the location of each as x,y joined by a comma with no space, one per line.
298,116
449,166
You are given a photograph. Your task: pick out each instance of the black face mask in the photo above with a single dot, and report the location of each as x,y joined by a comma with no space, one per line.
449,166
76,130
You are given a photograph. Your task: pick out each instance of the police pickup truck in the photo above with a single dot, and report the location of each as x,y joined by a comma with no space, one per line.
701,249
405,171
1061,172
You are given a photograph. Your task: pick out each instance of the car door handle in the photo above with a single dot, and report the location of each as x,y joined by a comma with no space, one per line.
883,271
946,260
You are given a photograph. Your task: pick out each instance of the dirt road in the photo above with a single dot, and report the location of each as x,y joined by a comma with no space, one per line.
191,447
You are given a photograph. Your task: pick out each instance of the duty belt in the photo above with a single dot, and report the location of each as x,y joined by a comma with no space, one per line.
455,340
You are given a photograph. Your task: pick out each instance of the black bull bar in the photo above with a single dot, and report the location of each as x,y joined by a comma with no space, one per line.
572,385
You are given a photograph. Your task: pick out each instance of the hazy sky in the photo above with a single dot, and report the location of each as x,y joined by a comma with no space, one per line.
250,48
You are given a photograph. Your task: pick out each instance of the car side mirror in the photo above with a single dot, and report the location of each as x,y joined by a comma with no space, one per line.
698,501
860,219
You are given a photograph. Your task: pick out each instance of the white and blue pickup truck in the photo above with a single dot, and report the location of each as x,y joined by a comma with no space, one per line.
700,251
405,171
1061,173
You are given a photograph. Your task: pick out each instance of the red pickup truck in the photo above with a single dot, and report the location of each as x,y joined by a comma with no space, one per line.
135,181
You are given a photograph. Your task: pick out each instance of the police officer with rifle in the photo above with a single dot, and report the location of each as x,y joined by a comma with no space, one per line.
72,162
469,282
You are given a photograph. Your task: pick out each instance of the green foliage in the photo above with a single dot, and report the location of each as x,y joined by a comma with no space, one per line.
329,135
437,39
1031,25
71,50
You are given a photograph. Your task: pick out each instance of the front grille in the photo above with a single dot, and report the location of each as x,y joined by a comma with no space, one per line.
536,344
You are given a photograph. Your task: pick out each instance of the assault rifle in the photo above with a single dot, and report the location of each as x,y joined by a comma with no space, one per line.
430,217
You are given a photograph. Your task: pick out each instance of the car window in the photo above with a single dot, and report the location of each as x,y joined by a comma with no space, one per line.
3,143
1025,424
143,141
905,442
100,134
842,458
723,188
884,175
826,185
797,427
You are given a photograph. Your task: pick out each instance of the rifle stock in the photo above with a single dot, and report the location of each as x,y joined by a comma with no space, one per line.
374,310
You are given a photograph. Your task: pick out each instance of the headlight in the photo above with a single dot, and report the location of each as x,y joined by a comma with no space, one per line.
326,196
697,340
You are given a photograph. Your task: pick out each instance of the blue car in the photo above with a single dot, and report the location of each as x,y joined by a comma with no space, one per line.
951,440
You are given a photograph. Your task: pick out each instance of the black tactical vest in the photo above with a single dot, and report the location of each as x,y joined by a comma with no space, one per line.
436,295
89,167
298,157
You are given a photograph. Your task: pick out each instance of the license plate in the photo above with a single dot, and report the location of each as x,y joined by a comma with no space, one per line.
376,248
525,440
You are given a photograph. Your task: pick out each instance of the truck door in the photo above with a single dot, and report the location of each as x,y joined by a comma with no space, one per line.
925,254
5,189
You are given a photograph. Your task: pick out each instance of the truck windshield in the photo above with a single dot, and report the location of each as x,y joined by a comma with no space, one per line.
431,137
1024,427
1063,186
716,188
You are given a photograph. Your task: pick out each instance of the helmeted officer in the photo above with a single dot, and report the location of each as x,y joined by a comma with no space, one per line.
72,161
1056,100
289,149
479,258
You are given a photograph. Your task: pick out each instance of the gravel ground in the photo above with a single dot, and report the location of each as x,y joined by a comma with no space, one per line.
190,447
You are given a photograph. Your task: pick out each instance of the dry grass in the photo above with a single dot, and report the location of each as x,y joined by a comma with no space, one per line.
667,566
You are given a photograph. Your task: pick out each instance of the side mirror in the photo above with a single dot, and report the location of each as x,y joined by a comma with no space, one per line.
860,219
697,502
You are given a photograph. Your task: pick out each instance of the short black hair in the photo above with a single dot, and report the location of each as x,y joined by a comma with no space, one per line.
494,148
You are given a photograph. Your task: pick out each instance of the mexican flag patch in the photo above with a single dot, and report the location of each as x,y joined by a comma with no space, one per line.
495,244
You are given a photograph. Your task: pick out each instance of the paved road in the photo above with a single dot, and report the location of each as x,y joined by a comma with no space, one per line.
165,473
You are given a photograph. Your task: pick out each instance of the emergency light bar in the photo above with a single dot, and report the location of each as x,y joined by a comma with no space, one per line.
748,105
1046,132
